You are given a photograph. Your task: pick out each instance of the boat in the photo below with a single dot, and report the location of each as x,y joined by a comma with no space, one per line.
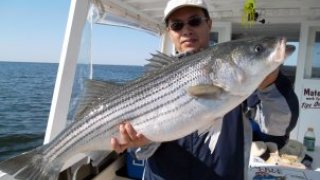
298,21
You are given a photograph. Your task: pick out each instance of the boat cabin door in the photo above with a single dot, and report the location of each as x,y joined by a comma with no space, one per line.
307,83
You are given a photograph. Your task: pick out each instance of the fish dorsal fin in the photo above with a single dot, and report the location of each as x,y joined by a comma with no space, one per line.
206,91
159,61
94,91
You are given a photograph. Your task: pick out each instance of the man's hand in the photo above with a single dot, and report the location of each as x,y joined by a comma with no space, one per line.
269,79
129,138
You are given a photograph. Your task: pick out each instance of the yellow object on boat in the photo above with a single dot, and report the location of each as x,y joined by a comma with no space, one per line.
248,14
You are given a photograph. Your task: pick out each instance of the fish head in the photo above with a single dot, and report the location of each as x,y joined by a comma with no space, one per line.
244,64
264,51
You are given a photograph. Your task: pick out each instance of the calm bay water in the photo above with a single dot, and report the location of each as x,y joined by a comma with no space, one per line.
25,97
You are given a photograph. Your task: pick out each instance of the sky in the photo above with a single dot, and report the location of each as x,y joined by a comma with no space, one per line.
33,31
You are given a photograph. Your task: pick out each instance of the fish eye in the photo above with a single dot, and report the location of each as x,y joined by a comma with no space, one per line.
258,48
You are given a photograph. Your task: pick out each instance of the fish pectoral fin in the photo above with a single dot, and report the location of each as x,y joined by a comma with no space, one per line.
205,91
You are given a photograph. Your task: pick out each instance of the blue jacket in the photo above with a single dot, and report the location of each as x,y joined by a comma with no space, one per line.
191,158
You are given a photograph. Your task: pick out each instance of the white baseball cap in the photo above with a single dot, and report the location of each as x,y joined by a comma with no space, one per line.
173,5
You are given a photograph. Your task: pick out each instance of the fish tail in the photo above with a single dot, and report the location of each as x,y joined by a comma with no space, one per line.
30,165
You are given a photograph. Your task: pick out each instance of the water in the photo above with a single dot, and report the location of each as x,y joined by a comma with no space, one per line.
25,97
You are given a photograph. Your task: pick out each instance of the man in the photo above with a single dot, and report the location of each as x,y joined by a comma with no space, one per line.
188,24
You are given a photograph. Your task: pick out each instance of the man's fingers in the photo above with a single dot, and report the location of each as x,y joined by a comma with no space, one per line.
128,138
116,146
124,134
130,131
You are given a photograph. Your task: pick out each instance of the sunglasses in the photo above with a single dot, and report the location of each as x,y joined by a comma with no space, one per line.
193,22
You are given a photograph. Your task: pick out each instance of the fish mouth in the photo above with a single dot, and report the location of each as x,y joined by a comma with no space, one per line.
289,50
283,50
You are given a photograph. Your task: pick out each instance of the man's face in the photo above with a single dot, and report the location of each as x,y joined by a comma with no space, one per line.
189,38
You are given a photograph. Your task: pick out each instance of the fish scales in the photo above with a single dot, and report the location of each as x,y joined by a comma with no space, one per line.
179,98
128,112
137,96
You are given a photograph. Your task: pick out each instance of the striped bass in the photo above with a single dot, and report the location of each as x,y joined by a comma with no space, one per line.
177,98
